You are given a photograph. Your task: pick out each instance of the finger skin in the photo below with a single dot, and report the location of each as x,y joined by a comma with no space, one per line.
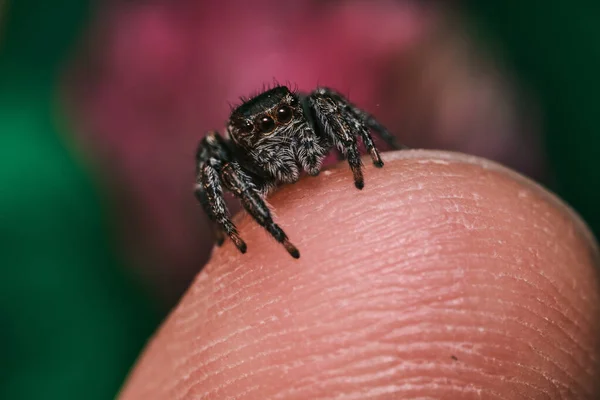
448,276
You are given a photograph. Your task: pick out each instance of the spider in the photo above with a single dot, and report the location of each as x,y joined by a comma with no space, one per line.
270,139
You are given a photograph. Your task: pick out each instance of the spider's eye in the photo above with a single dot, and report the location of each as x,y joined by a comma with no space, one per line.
294,102
266,124
284,114
246,127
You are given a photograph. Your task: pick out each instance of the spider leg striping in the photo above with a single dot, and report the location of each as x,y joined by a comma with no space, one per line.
310,150
242,187
209,192
211,149
359,126
216,229
375,125
214,172
337,129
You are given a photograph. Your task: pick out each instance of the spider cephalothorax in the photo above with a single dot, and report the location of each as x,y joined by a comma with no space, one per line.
270,139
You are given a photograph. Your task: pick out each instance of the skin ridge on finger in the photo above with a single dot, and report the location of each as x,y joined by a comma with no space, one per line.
447,157
420,286
453,157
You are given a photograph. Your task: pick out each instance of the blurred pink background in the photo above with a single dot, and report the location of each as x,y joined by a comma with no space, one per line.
162,73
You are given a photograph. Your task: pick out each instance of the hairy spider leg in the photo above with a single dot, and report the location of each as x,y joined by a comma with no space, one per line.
240,184
356,119
375,125
358,125
215,171
310,148
216,229
367,122
209,192
209,187
325,109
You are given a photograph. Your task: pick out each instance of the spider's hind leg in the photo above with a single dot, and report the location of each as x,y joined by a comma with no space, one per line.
381,130
363,122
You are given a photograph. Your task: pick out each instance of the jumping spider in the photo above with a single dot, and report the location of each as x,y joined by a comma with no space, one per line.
270,139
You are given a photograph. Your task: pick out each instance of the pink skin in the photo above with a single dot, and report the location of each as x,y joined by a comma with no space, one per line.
447,277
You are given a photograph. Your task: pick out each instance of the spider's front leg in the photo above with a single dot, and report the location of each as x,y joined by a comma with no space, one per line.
337,124
240,184
202,198
209,193
210,156
310,148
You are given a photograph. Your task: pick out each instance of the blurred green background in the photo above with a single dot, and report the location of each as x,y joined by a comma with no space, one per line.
555,48
71,319
72,315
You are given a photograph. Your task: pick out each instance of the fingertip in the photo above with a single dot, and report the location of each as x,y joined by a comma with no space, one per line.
448,270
